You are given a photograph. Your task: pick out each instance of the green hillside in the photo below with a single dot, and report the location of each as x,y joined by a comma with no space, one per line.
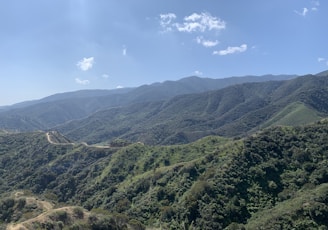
233,111
274,179
293,114
249,156
57,109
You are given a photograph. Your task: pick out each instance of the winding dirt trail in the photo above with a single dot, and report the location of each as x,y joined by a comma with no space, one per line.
49,139
44,205
48,135
26,225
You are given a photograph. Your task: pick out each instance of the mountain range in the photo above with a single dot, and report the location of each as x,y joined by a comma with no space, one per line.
232,111
59,108
197,153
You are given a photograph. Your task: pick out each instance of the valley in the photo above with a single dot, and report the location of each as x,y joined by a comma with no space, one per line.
246,156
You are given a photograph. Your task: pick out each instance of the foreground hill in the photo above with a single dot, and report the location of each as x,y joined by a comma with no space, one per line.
57,109
32,212
275,179
232,111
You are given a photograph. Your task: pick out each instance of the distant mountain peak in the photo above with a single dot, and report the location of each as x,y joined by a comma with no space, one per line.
60,108
323,73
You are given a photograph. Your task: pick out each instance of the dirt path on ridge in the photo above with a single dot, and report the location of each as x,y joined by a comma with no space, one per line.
48,135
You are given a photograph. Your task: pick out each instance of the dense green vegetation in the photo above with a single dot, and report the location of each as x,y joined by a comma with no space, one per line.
233,111
275,179
293,114
249,156
59,108
29,212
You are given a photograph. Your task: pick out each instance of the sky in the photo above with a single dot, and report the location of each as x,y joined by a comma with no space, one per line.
54,46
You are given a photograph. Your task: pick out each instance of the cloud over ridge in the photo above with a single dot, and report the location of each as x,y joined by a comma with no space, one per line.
82,82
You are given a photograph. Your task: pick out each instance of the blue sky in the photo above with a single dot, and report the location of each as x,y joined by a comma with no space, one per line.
51,46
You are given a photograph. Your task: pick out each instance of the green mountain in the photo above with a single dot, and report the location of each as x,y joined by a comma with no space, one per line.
233,111
274,179
60,108
246,156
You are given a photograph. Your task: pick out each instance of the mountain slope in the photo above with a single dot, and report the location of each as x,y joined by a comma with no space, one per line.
60,108
231,111
273,179
25,211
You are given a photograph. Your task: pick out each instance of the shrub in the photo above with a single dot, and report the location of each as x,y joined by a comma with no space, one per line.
78,212
136,225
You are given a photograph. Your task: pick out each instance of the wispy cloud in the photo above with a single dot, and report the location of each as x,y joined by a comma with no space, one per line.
315,5
196,22
166,21
119,87
82,82
303,12
324,60
206,43
105,76
86,63
231,50
124,51
306,10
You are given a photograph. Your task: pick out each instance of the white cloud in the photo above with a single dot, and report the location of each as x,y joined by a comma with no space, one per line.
231,50
303,12
306,10
206,43
86,63
124,51
166,21
82,82
200,23
193,23
105,76
198,73
119,87
321,59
